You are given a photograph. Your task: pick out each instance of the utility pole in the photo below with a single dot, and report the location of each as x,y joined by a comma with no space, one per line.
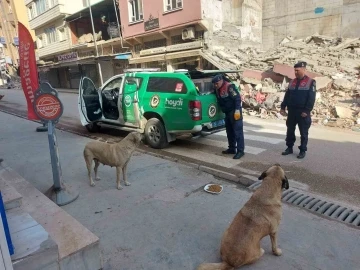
96,48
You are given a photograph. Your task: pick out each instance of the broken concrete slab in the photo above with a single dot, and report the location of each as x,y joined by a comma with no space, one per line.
251,80
262,75
288,71
343,84
323,83
235,61
297,45
269,90
347,44
344,112
223,55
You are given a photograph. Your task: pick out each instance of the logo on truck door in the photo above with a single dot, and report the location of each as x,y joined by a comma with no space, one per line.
212,111
155,101
127,101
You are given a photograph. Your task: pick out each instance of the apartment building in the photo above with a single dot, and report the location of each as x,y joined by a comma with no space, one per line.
11,12
46,18
66,46
186,34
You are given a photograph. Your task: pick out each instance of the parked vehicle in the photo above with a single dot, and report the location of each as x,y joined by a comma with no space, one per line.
159,104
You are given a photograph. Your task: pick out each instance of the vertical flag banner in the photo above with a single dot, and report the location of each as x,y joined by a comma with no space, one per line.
28,69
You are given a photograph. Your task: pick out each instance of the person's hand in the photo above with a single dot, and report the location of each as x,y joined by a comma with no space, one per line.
303,114
237,115
282,112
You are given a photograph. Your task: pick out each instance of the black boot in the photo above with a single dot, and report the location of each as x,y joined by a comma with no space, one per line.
239,155
301,155
228,151
288,151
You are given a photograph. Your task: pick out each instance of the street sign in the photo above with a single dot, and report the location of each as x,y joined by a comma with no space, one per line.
49,109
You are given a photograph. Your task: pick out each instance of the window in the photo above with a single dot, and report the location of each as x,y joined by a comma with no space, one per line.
40,6
50,35
155,43
62,34
135,10
116,83
173,4
133,80
53,3
31,12
39,42
166,85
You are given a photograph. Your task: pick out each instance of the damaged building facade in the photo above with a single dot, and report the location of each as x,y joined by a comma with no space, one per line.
183,34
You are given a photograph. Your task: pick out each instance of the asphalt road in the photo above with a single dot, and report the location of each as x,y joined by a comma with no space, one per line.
331,167
165,220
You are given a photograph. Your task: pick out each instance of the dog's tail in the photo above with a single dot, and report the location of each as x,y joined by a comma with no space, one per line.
215,266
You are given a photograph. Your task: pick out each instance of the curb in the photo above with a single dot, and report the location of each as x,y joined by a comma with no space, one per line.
243,179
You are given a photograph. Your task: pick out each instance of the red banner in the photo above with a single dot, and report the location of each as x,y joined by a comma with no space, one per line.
28,69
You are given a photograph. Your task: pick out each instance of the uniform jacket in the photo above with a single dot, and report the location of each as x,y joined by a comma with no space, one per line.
228,98
301,94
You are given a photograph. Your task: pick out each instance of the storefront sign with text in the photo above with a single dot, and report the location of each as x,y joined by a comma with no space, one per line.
68,57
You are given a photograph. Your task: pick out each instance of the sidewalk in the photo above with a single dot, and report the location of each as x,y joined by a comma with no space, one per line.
165,220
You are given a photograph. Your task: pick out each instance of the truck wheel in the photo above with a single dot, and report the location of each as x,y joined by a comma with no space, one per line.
93,127
155,134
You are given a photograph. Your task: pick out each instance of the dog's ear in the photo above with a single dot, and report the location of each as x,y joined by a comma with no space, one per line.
285,183
262,176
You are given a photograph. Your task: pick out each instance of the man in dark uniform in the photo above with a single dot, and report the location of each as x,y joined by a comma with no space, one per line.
229,100
299,100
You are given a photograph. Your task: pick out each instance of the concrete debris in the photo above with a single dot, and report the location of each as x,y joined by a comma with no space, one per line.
344,112
343,84
323,83
333,62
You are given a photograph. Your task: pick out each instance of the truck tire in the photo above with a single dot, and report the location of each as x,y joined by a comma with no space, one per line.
93,127
155,134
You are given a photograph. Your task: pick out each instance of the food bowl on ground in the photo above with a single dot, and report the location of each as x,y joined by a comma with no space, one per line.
213,188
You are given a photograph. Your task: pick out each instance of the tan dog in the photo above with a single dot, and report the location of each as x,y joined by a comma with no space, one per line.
259,217
115,155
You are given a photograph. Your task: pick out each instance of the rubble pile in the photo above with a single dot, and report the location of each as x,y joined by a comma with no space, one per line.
333,62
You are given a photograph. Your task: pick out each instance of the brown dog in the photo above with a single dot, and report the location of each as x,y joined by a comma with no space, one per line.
115,155
259,217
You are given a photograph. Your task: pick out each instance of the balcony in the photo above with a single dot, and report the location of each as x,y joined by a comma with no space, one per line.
54,48
49,15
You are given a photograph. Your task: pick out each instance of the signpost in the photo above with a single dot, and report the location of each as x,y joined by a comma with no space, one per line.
49,109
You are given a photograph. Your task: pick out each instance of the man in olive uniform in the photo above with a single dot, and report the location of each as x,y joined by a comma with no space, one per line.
229,100
299,100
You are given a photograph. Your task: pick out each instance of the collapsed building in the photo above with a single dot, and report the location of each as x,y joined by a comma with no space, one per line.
333,62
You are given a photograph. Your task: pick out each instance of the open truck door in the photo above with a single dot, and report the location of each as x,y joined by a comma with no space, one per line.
89,104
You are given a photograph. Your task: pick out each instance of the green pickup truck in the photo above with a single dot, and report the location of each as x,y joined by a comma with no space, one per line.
159,104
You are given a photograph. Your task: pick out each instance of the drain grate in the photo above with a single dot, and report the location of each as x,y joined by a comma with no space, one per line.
325,208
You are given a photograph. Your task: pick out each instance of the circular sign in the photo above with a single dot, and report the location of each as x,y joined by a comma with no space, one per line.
48,107
155,101
127,101
212,111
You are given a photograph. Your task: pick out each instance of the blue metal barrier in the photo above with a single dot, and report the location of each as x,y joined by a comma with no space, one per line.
5,225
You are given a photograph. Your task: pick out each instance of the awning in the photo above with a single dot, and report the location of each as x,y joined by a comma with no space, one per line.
163,57
182,54
123,56
147,59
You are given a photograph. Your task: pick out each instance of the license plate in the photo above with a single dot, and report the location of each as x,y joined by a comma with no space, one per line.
218,123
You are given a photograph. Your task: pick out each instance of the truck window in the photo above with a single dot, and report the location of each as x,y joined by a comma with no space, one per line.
204,86
166,85
134,80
